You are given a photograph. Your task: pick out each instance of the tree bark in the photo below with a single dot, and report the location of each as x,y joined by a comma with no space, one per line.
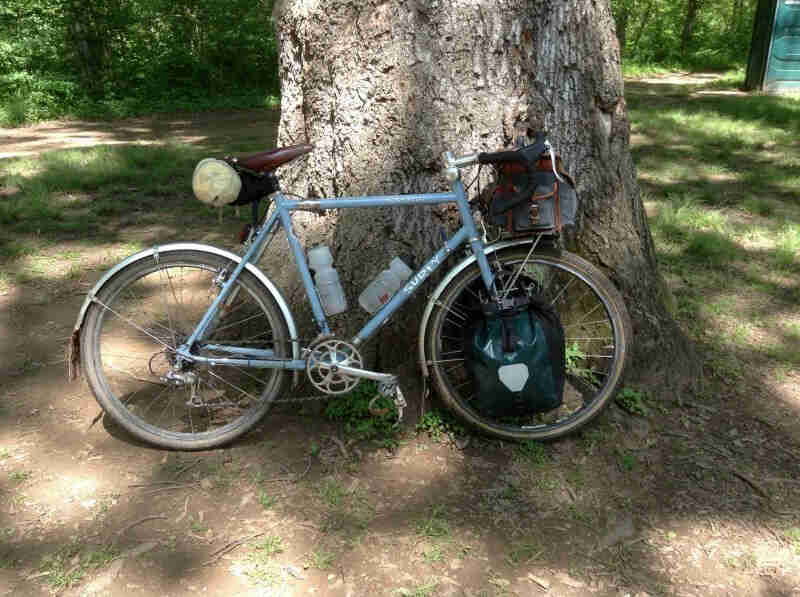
692,8
381,88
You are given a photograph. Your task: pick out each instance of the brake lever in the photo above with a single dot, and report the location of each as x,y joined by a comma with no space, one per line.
549,148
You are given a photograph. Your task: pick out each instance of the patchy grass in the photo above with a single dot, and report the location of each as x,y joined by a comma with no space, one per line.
435,524
476,510
321,559
69,565
19,476
522,552
633,401
260,565
533,452
720,175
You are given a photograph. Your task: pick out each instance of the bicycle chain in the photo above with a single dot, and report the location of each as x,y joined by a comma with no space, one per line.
304,398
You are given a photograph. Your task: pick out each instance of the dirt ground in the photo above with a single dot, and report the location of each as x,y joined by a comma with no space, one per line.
699,497
201,128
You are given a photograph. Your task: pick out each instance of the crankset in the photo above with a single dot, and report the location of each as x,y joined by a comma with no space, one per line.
325,362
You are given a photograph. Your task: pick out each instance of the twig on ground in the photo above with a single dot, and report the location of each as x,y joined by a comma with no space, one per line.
290,478
228,547
155,484
187,467
185,510
340,444
760,491
97,418
140,521
305,472
700,406
168,488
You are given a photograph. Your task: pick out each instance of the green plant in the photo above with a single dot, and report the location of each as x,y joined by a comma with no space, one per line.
627,460
438,424
267,501
573,358
787,249
793,537
20,476
321,559
269,546
632,401
260,566
352,411
8,561
15,110
533,452
434,553
435,524
332,492
424,589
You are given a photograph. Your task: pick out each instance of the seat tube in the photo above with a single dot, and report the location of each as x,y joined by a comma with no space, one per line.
475,242
302,265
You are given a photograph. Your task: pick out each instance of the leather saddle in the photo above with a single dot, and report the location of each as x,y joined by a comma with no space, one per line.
269,160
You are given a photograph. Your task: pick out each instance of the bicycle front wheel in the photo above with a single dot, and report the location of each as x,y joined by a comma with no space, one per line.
147,310
597,335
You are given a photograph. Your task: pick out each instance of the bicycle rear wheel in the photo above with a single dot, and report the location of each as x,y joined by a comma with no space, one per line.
597,335
148,309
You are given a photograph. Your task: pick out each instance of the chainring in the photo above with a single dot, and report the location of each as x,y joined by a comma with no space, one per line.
323,362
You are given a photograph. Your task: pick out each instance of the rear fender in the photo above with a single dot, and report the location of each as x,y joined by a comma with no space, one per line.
73,349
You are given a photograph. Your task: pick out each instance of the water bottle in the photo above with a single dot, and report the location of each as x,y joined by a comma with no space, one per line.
384,286
329,287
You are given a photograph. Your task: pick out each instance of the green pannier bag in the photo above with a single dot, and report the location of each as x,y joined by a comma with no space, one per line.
516,359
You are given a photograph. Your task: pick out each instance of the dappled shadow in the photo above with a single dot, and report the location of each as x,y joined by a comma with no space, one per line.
685,160
632,503
592,512
211,130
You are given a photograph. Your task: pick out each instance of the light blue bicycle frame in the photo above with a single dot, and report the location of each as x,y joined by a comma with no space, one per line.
248,357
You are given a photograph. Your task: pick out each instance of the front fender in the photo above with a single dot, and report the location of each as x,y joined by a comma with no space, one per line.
451,275
161,250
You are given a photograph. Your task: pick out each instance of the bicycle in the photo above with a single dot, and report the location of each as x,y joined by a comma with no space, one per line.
187,345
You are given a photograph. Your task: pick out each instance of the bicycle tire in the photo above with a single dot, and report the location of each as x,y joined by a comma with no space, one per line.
149,308
553,275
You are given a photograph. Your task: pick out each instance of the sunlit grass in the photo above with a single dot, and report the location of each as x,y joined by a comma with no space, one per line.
76,191
720,173
787,246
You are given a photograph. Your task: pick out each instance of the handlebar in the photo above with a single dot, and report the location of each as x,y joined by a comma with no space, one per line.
528,154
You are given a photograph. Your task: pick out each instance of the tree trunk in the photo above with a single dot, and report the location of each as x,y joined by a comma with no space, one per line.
692,8
622,27
643,21
381,88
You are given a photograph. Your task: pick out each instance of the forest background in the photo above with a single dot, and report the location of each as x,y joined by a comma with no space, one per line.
120,58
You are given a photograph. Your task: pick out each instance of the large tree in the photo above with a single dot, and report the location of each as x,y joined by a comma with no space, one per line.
381,87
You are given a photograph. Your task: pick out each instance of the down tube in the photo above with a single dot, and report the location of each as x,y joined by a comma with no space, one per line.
411,286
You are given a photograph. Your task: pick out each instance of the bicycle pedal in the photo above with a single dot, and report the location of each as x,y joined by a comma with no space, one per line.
393,392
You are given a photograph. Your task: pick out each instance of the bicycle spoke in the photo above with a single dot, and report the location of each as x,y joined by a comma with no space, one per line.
166,305
234,386
585,323
237,323
567,285
136,377
128,321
